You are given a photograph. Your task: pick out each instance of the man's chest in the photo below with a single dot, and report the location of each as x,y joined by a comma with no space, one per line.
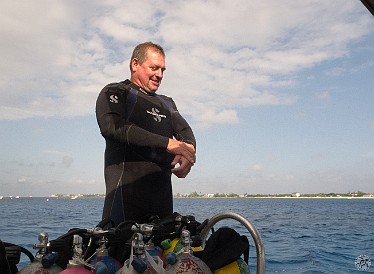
151,114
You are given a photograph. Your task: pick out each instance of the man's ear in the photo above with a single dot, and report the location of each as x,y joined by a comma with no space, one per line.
134,64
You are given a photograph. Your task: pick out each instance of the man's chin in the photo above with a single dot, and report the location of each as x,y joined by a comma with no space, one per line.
152,89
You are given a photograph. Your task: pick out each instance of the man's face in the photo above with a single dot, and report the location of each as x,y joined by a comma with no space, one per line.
148,75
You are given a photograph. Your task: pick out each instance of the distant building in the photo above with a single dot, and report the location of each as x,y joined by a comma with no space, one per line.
295,194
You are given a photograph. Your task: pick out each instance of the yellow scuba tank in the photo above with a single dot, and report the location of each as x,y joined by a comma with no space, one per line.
237,267
176,245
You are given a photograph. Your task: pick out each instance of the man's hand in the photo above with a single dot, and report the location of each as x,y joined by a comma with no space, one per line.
181,148
184,166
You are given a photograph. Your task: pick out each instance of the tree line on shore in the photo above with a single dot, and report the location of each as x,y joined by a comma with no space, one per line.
195,194
296,194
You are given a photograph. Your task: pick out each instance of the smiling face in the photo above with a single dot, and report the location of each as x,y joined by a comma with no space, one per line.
148,75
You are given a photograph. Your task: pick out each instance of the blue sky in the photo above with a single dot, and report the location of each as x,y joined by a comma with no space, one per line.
279,93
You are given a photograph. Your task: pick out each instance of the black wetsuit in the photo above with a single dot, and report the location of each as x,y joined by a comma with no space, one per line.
136,126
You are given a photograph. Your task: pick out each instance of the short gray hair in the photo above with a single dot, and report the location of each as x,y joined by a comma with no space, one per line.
140,51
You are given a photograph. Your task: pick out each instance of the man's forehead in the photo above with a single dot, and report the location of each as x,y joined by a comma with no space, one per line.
155,58
154,54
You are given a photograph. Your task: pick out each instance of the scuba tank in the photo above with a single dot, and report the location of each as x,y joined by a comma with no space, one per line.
100,258
77,264
86,249
156,252
140,260
44,261
176,245
237,267
184,261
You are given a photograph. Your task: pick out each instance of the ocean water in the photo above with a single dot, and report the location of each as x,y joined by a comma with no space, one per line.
299,235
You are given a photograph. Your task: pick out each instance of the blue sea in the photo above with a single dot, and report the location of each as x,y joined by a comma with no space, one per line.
299,235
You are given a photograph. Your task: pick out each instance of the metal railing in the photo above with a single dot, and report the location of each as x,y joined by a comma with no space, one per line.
260,250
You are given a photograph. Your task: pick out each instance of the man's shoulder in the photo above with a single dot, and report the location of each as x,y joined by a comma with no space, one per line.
164,97
167,101
116,87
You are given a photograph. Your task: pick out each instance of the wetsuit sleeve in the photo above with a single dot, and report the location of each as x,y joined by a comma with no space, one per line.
182,130
110,115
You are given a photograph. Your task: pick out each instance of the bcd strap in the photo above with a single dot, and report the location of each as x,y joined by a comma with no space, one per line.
10,255
4,265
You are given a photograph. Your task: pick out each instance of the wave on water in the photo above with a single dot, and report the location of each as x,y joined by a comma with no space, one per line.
299,235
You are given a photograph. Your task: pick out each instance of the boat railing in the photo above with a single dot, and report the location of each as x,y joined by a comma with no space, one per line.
260,250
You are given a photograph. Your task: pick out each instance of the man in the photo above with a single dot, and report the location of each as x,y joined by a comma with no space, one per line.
146,141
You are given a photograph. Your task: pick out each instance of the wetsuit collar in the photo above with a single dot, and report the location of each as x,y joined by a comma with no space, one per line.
131,84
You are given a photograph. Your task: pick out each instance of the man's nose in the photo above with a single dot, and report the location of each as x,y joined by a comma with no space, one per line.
159,73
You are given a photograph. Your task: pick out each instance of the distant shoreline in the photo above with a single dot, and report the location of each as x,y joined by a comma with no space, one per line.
294,195
274,197
77,196
316,197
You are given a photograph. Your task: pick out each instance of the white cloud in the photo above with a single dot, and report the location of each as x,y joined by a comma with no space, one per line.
211,116
67,161
221,56
23,179
369,156
258,167
324,95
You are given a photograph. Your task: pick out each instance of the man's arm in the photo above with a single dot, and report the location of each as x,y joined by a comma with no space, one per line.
182,132
110,114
